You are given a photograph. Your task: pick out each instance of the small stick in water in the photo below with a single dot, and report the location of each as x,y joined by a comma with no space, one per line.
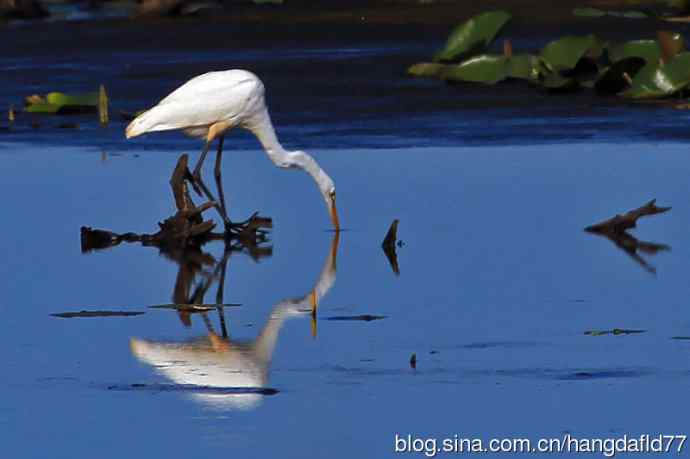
103,116
388,246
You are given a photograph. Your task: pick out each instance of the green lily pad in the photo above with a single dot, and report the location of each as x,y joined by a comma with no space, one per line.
59,98
58,102
655,80
474,35
649,50
43,107
488,69
426,69
491,69
524,67
564,53
597,13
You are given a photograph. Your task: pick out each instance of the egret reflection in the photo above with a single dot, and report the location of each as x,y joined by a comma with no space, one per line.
223,372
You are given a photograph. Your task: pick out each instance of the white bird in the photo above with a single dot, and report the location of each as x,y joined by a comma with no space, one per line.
209,105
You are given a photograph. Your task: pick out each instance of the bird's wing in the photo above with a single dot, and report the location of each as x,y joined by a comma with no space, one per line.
202,101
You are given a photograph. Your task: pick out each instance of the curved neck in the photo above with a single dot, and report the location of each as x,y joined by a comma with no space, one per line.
261,126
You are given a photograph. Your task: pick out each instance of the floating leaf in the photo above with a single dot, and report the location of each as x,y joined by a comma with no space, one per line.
524,67
646,49
618,77
649,50
474,35
57,102
597,13
655,80
488,69
564,53
59,98
43,107
426,69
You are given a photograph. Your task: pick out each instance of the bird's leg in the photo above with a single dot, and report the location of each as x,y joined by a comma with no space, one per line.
219,182
197,183
200,186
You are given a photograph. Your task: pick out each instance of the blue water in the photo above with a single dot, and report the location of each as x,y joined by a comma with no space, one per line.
497,285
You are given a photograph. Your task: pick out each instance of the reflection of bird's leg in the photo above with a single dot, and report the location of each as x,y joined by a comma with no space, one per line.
200,186
219,293
219,183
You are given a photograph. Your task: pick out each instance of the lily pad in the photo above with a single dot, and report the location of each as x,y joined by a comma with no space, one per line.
655,80
491,69
43,107
564,53
426,69
597,13
524,67
649,50
58,102
59,98
488,69
474,35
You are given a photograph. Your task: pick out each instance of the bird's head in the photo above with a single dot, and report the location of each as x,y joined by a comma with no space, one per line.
329,197
326,185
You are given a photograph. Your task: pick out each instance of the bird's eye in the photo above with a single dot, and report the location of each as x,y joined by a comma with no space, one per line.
332,194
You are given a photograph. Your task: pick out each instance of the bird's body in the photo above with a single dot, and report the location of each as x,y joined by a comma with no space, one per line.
227,98
209,105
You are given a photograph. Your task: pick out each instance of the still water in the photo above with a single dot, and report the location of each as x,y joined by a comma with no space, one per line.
497,285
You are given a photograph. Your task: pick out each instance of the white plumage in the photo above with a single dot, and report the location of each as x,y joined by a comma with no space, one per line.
209,105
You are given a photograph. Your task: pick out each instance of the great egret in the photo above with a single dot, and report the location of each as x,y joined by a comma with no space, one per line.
207,106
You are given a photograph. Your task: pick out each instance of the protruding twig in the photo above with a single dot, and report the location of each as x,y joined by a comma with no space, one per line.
669,45
103,116
507,48
388,246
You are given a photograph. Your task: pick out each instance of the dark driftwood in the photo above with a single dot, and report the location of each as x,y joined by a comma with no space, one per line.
620,223
187,227
615,230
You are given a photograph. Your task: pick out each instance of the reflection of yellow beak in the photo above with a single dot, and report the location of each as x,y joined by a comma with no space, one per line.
314,302
334,215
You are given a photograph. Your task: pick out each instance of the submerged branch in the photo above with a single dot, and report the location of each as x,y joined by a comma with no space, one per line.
618,224
615,230
187,227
